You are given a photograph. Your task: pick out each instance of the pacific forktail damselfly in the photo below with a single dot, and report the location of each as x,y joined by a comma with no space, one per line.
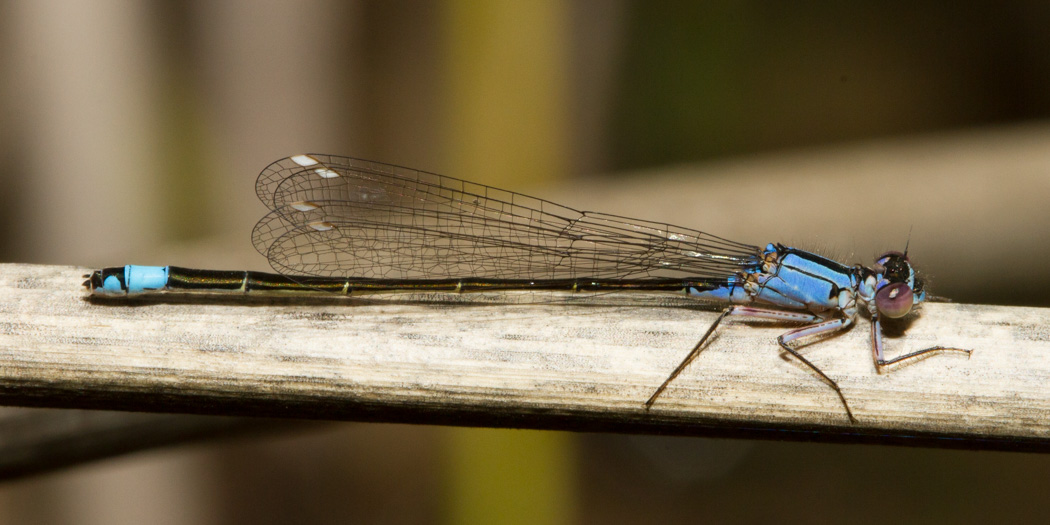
349,226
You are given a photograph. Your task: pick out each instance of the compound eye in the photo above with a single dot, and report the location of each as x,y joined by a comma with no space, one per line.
894,300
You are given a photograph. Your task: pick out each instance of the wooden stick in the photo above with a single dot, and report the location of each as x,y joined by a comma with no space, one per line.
553,366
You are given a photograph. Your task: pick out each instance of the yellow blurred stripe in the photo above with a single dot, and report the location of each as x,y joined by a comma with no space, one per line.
510,477
507,90
507,126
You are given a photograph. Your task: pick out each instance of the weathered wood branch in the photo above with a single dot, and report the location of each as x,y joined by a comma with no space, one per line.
555,366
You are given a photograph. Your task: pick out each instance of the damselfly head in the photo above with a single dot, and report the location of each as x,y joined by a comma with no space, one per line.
898,288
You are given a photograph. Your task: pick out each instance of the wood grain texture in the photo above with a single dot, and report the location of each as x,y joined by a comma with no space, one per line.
552,366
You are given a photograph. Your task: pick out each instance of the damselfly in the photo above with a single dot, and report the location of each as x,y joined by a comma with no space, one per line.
349,226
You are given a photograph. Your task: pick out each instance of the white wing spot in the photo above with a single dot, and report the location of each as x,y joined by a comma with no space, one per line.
304,160
326,173
304,205
321,226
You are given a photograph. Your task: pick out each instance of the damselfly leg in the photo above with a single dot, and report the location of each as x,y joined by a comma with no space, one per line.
880,358
780,315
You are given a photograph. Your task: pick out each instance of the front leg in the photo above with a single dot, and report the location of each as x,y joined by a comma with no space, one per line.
880,358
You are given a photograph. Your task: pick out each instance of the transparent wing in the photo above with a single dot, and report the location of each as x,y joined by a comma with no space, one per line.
343,217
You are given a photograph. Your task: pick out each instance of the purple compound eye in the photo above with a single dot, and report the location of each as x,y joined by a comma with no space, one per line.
894,300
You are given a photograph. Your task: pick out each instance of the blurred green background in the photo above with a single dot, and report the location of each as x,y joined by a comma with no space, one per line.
145,123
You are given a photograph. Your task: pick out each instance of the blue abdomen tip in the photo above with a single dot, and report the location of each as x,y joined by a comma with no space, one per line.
145,278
